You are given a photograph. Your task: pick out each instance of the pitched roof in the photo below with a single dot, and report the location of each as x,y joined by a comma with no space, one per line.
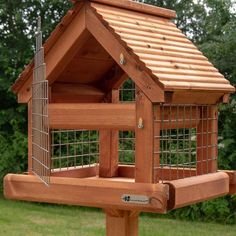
148,32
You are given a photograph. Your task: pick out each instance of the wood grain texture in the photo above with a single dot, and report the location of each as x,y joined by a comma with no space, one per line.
133,67
75,93
191,190
79,172
139,7
108,147
85,192
156,39
125,223
92,116
144,139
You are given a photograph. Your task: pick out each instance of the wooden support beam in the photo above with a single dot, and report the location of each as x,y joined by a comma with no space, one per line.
121,223
139,7
113,79
144,137
207,140
232,180
75,93
86,192
79,172
92,116
127,60
60,54
165,173
188,191
108,147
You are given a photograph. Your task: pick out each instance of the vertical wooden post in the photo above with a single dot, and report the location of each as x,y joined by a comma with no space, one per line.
144,137
30,137
207,140
121,223
109,141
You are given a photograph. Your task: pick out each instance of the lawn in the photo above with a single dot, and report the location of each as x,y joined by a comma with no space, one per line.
22,218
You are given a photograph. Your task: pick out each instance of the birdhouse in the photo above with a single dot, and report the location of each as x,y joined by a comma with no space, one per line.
122,115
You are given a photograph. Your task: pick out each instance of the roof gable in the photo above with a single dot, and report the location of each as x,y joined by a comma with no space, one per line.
155,54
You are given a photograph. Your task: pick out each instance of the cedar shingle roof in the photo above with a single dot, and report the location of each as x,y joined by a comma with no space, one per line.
149,32
164,49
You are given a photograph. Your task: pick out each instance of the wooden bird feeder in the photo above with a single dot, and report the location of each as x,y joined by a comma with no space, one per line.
122,116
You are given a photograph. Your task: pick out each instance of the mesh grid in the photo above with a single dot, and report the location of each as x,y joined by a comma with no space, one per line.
185,141
40,127
73,149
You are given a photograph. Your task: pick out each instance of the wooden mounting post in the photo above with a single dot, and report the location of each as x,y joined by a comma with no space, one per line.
144,136
109,141
121,223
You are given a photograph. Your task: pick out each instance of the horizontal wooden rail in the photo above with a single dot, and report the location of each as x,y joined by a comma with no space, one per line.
191,190
86,192
232,180
92,116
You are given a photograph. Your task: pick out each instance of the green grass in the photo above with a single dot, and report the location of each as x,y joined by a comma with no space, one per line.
22,218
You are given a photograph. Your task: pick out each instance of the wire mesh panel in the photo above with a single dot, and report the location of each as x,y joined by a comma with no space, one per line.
74,149
185,140
127,138
40,127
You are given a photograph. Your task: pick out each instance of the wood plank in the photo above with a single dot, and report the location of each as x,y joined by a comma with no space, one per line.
195,97
198,86
188,191
232,180
157,29
92,116
132,19
131,14
149,35
207,131
79,172
144,136
60,54
165,173
123,224
75,93
108,147
132,66
113,79
139,7
85,192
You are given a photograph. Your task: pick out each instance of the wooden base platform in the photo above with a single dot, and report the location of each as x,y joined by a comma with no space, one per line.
119,192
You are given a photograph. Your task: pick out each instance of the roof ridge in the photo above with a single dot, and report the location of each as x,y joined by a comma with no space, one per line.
136,6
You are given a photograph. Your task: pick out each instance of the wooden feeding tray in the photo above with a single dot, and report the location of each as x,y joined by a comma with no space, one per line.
122,115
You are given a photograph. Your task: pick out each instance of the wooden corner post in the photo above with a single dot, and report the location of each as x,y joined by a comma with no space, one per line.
109,141
144,136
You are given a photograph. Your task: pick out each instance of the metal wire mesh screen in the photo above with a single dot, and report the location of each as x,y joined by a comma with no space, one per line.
185,141
40,127
74,149
127,138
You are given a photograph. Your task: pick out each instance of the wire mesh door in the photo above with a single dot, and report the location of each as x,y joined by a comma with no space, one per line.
40,125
